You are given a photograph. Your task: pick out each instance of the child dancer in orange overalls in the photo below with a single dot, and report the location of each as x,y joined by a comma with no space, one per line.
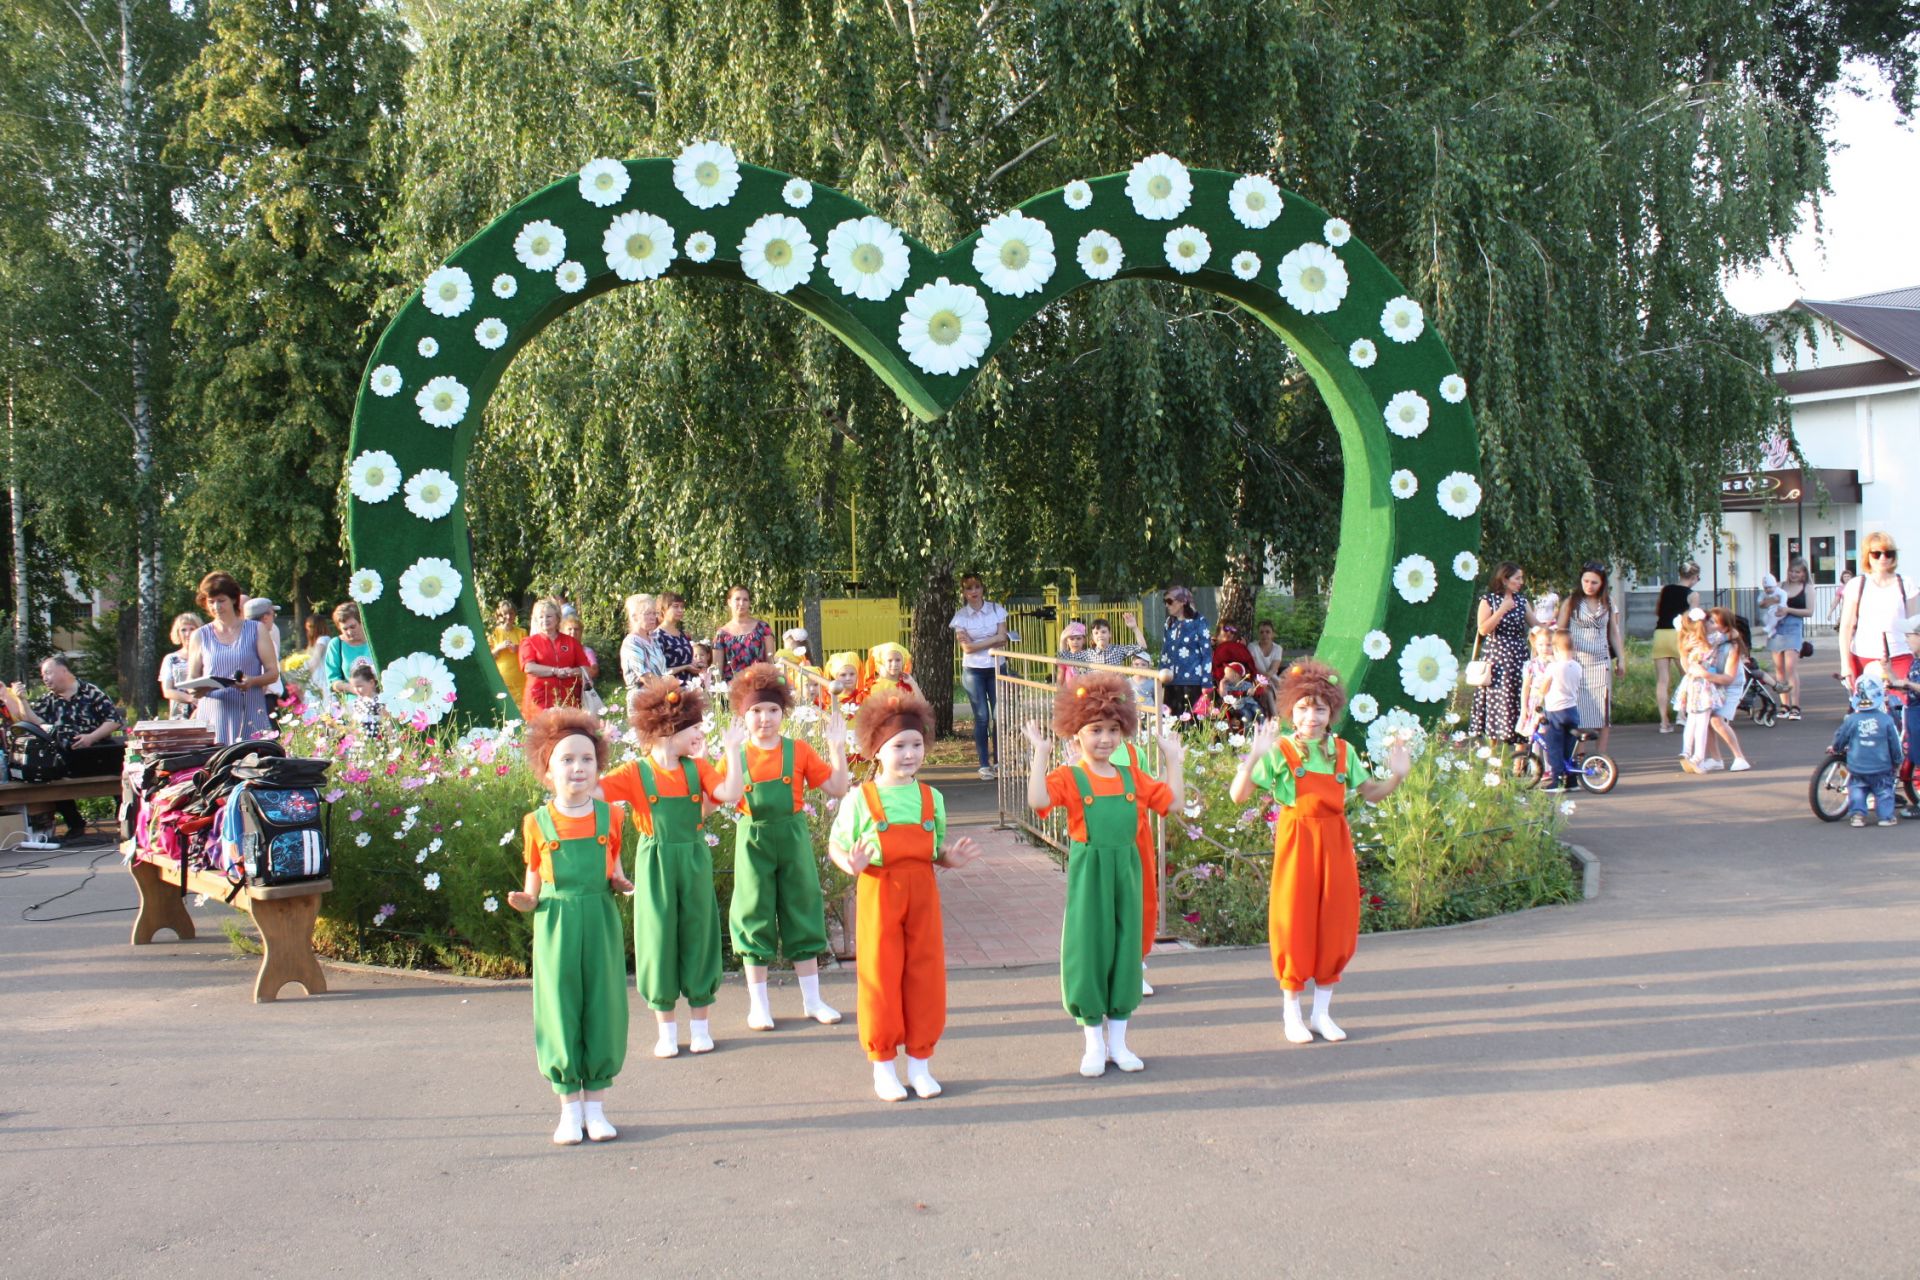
891,834
1313,910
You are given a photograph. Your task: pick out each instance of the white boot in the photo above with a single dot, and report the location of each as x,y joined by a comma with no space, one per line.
1321,1021
1123,1057
759,1015
1093,1061
811,1003
1146,988
886,1082
920,1076
668,1045
1296,1026
568,1133
700,1039
597,1127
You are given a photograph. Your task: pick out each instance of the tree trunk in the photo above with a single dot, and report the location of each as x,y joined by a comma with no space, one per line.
140,368
1240,589
22,594
933,646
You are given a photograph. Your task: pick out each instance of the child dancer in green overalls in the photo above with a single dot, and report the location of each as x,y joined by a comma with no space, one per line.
1100,936
572,849
777,907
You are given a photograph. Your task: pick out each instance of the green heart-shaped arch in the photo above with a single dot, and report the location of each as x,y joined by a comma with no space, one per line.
490,298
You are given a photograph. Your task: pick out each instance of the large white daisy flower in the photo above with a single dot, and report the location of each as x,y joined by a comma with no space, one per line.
505,286
1187,249
867,258
1415,579
1100,255
1362,353
428,347
456,642
365,586
540,246
1453,388
1255,201
603,182
1458,494
1160,187
700,246
944,328
1466,565
777,253
1364,708
447,292
1403,484
430,586
419,683
491,333
639,246
1402,320
1014,254
373,476
1313,279
1407,414
1396,726
1246,264
706,173
1077,194
1376,645
1428,669
431,493
570,276
385,381
798,193
1336,231
443,402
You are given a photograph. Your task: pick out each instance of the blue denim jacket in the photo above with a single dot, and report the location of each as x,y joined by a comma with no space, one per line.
1871,742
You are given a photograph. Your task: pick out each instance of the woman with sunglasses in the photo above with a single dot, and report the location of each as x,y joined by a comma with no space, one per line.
1186,650
1871,610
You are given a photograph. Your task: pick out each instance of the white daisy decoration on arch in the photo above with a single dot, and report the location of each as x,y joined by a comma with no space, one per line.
1403,484
491,333
1187,249
798,193
430,586
1363,708
442,402
1407,414
505,286
365,586
706,174
1255,201
428,347
867,258
1077,194
1428,670
1397,727
603,181
1376,645
373,476
1362,353
456,642
638,245
1312,279
1246,264
1100,255
418,684
1466,566
1159,187
944,328
540,245
1336,232
447,292
1458,494
700,246
1014,254
777,253
1402,319
431,493
570,277
1415,579
385,381
1453,388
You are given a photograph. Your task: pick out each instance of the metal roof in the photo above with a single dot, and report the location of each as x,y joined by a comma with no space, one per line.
1888,321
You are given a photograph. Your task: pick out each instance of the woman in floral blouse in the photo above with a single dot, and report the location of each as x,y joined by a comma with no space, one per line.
676,646
1186,650
744,639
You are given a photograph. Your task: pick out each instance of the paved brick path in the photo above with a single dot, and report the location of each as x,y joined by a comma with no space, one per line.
1005,907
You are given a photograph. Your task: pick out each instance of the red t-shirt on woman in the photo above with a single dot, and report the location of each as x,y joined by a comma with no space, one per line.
552,651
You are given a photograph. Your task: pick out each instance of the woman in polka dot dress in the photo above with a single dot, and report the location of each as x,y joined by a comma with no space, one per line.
1503,643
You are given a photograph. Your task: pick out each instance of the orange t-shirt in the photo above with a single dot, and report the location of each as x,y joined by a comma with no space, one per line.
763,765
623,784
581,828
1063,790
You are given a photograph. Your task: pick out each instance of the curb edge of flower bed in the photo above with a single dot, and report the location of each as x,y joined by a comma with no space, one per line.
1588,864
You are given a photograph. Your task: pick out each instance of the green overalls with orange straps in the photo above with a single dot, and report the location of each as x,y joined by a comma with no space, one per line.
579,962
676,918
1100,936
777,907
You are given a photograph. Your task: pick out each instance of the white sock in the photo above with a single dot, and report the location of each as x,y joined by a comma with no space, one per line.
810,1001
886,1082
920,1076
568,1133
668,1045
1694,740
1123,1057
759,1016
702,1039
1093,1061
1296,1026
1146,988
1322,1021
597,1127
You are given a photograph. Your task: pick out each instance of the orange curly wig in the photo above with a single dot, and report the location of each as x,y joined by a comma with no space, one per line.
880,718
1093,697
550,728
662,707
761,682
1308,678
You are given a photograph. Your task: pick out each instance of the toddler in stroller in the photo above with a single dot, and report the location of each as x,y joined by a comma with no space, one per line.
1760,700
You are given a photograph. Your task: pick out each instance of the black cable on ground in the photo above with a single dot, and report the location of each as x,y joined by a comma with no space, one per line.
43,860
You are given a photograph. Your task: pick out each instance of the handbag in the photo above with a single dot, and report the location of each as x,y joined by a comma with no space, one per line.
33,755
1479,672
1806,648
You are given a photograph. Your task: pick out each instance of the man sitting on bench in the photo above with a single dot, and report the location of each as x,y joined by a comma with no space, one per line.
82,721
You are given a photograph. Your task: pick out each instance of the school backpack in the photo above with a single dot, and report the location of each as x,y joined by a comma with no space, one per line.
282,835
33,755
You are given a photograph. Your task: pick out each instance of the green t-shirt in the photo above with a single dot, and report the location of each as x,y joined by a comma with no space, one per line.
341,656
1270,772
1126,756
901,805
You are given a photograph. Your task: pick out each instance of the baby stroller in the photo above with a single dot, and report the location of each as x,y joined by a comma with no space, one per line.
1761,701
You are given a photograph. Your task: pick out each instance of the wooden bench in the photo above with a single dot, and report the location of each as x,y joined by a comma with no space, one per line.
284,913
13,794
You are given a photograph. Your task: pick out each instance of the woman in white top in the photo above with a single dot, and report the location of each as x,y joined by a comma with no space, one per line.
173,667
640,656
1871,610
980,625
1268,657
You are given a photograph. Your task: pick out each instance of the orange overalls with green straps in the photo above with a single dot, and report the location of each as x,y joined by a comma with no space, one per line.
902,964
1313,912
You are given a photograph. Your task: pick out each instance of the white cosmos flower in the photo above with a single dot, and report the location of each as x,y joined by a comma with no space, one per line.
1246,264
443,402
1100,255
1376,645
1077,194
603,182
639,246
1312,279
456,642
1160,187
944,328
1364,708
1466,565
1362,353
1014,254
798,193
777,253
430,586
491,333
1403,483
1255,201
505,286
491,904
1402,320
431,493
570,276
1458,494
1453,388
1407,414
1187,249
373,476
540,246
1415,579
706,173
867,258
365,586
1397,726
700,246
1428,669
447,292
385,381
1336,231
432,881
428,348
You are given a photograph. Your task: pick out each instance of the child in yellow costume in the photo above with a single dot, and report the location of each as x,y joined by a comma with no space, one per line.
889,670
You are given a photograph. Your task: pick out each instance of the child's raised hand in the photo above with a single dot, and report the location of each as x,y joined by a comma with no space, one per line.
521,900
620,884
1263,739
733,736
1037,737
1070,752
836,732
959,853
855,860
1399,759
1172,750
1128,620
